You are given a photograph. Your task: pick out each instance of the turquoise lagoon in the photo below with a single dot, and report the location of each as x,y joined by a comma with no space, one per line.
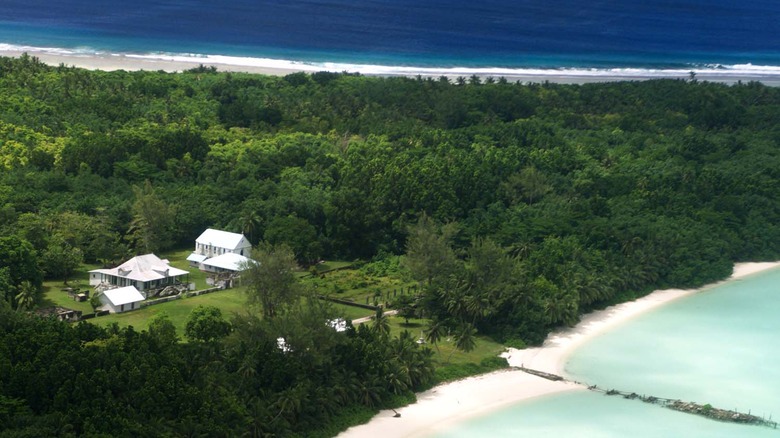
719,346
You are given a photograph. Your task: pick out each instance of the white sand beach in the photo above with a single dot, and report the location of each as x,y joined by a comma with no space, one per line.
112,62
442,407
177,63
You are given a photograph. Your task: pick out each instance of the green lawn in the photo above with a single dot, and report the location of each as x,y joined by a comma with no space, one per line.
178,311
178,259
445,352
53,295
351,312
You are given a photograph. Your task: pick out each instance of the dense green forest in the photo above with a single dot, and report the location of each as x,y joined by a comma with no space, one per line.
516,206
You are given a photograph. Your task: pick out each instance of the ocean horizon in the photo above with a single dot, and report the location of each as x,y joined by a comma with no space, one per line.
499,38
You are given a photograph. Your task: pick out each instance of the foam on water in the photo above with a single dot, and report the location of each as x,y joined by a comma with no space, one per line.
701,70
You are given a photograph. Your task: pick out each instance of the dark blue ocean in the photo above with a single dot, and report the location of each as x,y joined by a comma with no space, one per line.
520,34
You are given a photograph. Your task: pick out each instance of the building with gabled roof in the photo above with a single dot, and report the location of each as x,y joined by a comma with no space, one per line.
145,272
122,299
212,243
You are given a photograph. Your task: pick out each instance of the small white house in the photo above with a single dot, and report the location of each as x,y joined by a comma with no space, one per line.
146,272
122,299
213,243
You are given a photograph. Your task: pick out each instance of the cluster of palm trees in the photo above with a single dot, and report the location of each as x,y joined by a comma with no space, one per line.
323,372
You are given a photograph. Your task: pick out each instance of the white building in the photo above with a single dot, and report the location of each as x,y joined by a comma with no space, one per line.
225,263
122,299
146,272
213,243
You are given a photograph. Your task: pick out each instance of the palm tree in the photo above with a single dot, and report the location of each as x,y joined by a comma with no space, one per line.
345,387
369,391
403,346
259,416
477,304
381,323
435,332
25,299
397,377
421,371
289,403
248,223
465,339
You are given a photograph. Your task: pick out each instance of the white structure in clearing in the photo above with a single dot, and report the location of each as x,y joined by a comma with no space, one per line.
213,243
122,299
225,263
146,272
220,252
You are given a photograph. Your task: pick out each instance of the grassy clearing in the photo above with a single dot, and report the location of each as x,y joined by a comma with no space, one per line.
445,351
229,301
178,311
351,312
178,259
349,284
53,295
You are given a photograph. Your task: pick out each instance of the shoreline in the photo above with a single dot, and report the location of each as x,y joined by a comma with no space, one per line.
767,75
444,407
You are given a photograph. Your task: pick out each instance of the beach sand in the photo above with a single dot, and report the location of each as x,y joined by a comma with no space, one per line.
442,407
171,63
110,62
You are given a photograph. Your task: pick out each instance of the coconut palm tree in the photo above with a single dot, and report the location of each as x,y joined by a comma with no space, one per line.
397,377
25,298
465,339
369,391
381,324
435,332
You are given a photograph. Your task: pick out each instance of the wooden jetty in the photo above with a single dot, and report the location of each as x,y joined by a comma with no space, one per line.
705,410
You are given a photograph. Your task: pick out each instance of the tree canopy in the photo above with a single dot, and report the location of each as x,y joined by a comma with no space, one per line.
516,206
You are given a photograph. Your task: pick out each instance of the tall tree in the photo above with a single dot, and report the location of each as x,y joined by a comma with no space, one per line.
429,252
205,324
465,339
381,325
435,332
270,279
151,229
25,298
20,262
60,260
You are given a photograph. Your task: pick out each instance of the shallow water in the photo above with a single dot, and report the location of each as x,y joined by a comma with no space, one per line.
719,346
585,414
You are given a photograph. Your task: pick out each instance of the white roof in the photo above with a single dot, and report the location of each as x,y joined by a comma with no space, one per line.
222,239
281,344
123,295
144,268
229,260
197,258
339,324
